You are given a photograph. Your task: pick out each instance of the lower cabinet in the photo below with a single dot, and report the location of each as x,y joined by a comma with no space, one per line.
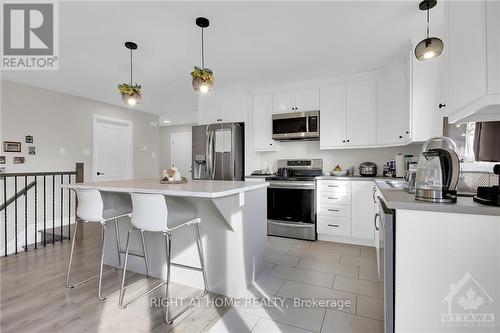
345,211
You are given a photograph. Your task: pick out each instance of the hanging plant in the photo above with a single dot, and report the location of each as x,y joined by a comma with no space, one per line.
203,79
128,89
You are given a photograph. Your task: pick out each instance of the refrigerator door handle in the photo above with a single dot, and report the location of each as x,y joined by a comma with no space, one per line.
210,156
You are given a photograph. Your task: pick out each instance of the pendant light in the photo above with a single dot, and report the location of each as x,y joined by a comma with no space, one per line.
430,47
131,93
203,78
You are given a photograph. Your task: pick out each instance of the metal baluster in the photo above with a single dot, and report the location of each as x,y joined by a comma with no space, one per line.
15,213
53,208
25,214
44,211
36,212
62,204
69,208
5,212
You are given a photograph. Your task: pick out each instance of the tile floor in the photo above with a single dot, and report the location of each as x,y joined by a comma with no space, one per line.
301,270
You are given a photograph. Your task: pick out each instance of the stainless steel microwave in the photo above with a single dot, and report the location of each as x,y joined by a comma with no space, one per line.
296,126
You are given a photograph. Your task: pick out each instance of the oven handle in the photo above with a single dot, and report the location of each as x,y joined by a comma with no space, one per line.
296,225
292,186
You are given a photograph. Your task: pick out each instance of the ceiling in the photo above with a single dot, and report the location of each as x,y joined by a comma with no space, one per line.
247,43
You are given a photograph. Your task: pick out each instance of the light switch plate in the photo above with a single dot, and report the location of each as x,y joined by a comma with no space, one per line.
86,152
153,155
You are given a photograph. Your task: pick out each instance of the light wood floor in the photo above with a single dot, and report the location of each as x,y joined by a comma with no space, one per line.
33,297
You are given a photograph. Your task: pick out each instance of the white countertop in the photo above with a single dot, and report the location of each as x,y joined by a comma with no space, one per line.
194,188
397,198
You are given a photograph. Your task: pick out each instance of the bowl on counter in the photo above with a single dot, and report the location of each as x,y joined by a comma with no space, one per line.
338,173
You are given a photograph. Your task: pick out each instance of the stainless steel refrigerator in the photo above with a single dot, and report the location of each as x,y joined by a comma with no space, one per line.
219,151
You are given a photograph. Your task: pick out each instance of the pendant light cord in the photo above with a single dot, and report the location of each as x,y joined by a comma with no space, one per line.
202,50
428,23
130,66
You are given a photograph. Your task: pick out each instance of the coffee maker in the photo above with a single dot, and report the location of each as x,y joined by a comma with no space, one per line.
437,172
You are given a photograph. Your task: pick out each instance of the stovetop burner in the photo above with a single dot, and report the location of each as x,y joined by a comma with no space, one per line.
290,179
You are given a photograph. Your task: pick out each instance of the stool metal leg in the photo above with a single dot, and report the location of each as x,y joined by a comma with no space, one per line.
103,246
68,283
202,258
146,262
168,238
118,247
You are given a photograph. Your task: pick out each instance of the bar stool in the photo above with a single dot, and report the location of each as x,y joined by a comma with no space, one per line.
91,210
150,213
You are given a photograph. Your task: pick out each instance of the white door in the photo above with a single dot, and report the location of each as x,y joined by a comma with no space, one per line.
284,102
362,210
181,152
262,123
333,117
361,113
307,99
112,149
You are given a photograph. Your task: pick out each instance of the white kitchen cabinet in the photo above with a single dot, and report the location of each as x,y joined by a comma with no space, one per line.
345,211
361,113
262,123
296,101
333,116
394,106
224,107
362,210
473,58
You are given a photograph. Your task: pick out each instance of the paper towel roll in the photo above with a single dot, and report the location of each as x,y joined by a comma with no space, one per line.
400,165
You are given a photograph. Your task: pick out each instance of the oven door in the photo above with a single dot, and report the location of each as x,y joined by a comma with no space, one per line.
291,211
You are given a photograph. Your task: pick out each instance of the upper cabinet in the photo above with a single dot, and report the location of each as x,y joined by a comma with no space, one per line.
394,106
296,101
473,58
347,115
262,123
223,107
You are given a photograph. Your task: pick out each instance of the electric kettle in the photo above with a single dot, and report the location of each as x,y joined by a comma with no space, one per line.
437,172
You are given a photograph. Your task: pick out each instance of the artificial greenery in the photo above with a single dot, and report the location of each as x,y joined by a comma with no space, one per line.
129,89
205,74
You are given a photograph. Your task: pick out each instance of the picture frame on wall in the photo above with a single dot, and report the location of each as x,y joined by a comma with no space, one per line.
12,147
19,160
31,150
29,138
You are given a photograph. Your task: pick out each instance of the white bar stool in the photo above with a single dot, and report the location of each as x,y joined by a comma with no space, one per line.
150,213
91,210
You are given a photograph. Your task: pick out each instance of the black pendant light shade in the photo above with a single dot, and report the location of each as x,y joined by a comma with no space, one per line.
203,78
131,93
430,47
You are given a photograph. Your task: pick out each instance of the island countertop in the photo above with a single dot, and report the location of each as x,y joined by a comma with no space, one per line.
397,198
194,188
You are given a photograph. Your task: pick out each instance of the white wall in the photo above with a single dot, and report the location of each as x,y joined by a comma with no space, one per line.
165,143
345,158
59,120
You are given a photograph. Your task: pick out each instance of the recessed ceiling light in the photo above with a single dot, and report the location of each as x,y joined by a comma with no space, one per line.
167,121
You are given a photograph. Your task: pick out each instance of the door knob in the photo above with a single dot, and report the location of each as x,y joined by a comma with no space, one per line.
99,173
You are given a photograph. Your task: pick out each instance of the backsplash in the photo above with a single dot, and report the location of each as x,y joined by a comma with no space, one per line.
344,157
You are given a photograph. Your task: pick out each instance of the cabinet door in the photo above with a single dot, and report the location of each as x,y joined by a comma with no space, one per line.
466,51
393,107
362,210
262,122
361,113
208,109
307,99
284,102
231,108
493,45
332,116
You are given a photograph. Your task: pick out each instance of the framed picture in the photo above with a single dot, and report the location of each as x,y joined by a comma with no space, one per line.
29,138
19,160
31,150
12,147
2,159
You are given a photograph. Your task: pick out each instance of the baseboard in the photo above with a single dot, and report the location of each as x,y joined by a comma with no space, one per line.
346,240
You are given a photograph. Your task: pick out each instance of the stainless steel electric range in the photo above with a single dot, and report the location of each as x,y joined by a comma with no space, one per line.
291,207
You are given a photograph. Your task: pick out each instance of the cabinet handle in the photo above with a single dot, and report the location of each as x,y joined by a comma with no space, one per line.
441,105
373,194
332,198
334,225
348,141
343,141
407,132
333,186
332,210
375,221
400,136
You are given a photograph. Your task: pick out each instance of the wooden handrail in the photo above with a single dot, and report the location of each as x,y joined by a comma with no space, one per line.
17,195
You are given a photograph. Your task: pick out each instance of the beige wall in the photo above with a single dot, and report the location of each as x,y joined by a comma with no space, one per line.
59,120
165,143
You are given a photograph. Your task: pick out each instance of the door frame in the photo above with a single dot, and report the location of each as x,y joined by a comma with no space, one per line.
119,122
172,136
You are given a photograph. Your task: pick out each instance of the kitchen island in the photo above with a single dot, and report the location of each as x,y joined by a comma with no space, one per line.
445,254
233,230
